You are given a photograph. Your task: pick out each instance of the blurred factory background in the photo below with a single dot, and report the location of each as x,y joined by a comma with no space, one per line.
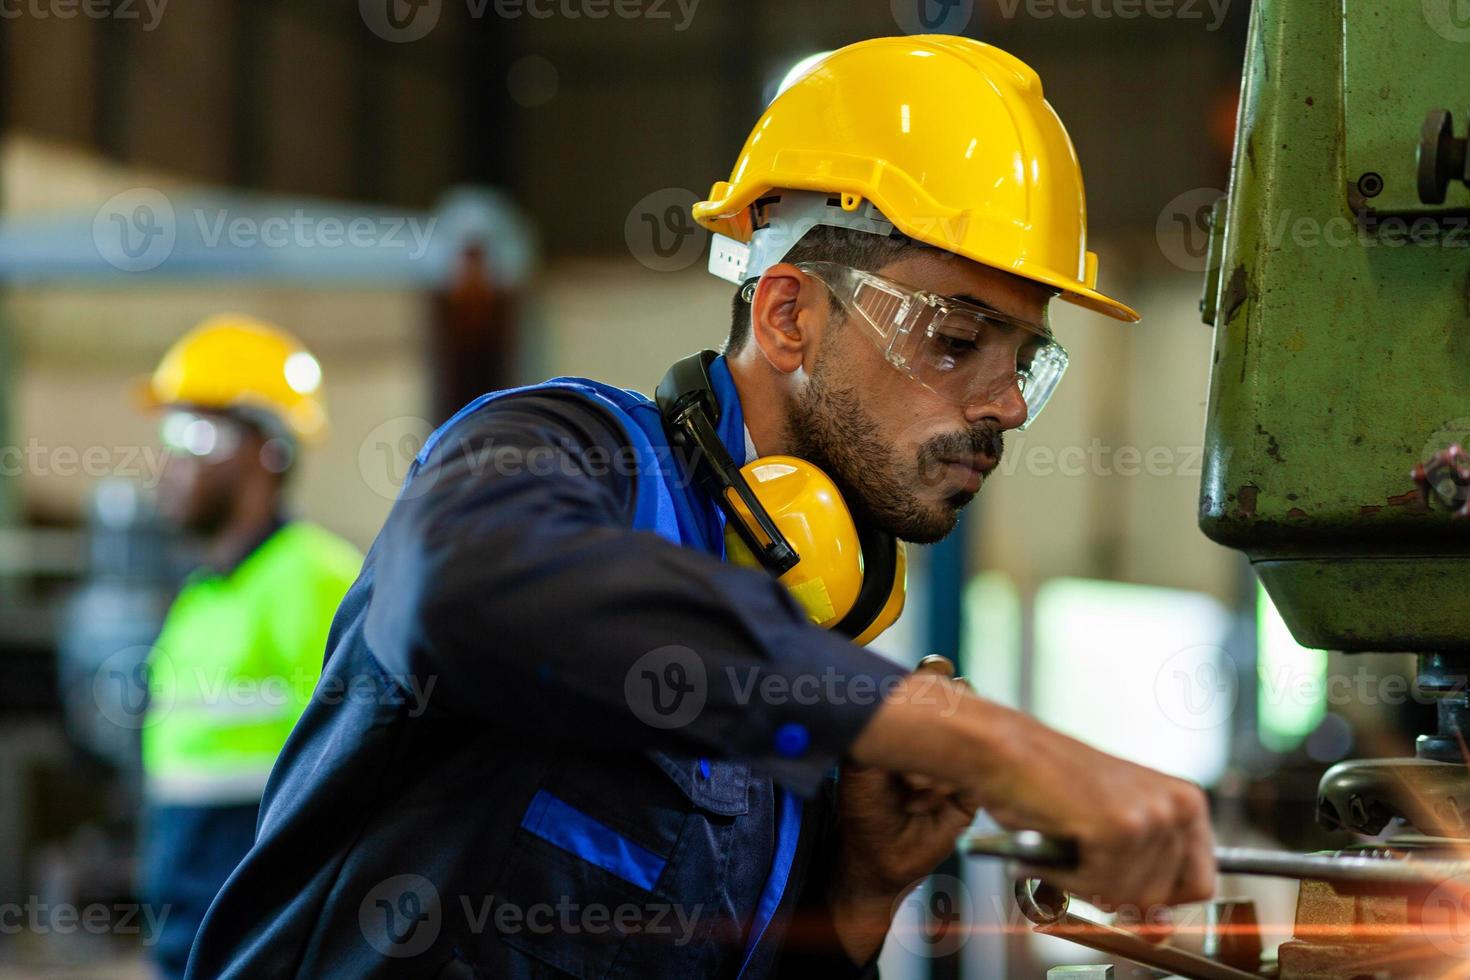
521,185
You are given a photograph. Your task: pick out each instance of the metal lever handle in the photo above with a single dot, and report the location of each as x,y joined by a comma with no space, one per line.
1047,907
1442,157
1040,851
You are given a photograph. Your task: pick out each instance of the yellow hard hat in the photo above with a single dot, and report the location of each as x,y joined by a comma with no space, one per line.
236,363
950,139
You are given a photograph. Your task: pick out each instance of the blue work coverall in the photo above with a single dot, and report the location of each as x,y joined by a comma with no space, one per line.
555,733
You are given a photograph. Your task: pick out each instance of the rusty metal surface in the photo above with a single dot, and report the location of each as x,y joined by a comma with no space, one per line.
1342,350
1348,937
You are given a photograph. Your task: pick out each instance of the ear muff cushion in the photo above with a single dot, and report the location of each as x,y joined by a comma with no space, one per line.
880,565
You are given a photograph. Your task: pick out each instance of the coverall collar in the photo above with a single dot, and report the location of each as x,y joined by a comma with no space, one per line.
731,428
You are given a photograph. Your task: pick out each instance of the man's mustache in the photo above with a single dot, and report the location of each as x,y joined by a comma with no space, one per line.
983,440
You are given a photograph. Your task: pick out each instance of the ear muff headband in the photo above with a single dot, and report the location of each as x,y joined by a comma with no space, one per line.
880,566
690,411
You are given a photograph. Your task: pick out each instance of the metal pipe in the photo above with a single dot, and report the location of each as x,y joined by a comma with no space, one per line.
1343,869
1048,908
1385,871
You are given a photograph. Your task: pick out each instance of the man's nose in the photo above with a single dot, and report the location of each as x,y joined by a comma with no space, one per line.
1007,408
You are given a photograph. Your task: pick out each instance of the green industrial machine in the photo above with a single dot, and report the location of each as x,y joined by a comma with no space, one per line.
1339,417
1339,289
1340,297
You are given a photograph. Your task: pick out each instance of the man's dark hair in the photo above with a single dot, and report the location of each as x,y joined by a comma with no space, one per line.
826,243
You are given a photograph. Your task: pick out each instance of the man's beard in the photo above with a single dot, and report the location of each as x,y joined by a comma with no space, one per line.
828,427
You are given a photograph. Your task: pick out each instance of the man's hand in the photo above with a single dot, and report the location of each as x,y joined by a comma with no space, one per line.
892,831
1144,838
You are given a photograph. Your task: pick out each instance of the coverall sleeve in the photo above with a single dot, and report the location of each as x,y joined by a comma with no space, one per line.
509,576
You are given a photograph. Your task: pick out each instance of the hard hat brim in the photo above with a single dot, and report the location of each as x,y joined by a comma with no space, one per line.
1072,291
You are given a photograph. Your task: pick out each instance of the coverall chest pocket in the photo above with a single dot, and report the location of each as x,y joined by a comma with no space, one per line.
615,866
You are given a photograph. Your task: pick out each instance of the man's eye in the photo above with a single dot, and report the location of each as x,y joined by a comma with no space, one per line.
956,344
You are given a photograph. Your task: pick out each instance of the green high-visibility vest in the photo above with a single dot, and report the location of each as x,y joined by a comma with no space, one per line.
236,663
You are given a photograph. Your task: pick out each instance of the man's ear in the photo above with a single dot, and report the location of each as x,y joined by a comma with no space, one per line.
786,317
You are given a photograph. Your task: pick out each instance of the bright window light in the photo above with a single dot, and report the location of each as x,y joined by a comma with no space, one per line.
1137,671
1291,683
991,654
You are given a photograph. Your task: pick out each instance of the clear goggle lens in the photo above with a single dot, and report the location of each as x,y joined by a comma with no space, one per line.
961,352
191,434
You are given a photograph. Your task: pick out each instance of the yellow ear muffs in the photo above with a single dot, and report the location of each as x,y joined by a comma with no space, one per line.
786,516
846,580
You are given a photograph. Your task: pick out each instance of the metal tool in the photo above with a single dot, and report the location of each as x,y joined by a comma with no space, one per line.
1379,870
1047,907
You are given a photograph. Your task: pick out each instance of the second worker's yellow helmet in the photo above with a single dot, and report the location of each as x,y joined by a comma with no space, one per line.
949,138
235,363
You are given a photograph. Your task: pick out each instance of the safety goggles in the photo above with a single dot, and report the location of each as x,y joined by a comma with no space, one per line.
963,352
201,436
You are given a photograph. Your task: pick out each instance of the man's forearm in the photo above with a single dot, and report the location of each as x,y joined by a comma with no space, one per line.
939,728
